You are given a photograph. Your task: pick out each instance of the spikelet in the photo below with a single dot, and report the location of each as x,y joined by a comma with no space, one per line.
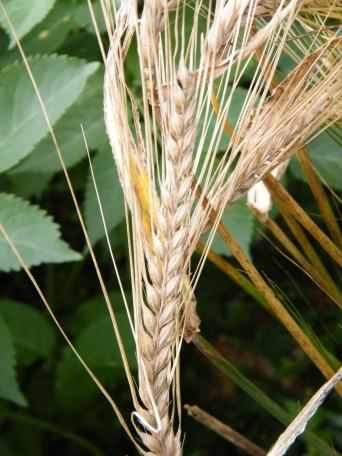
162,161
309,100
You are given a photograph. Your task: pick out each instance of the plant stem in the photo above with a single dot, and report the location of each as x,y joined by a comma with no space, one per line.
224,431
273,408
320,196
314,182
277,307
280,194
229,129
281,236
275,304
307,248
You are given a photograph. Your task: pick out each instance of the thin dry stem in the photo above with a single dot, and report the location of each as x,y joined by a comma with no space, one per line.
233,273
320,196
274,304
77,209
158,158
278,192
79,357
298,425
166,264
308,268
278,309
224,431
306,246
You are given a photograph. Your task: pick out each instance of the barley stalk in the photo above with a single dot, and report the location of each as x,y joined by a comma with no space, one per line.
166,231
303,104
157,161
166,263
224,431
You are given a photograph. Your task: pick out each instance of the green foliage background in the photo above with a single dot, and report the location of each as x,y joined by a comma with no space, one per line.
48,406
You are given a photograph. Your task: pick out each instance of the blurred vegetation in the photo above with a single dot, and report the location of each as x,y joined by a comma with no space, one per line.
48,405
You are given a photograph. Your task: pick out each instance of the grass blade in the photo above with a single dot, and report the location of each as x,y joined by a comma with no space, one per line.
224,431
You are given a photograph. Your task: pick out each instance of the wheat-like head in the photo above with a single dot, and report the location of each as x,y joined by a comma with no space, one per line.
169,175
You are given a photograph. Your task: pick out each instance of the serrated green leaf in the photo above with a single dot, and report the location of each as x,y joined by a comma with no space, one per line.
240,221
48,35
326,156
34,234
9,388
32,334
110,194
96,342
88,111
22,125
25,15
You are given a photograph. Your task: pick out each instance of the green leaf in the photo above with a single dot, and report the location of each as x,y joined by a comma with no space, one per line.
240,221
326,155
238,217
110,194
96,342
34,234
25,15
32,333
22,125
9,388
88,111
238,98
83,19
91,310
48,35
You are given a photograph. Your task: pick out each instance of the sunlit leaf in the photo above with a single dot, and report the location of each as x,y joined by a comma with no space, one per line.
24,15
88,112
22,125
34,234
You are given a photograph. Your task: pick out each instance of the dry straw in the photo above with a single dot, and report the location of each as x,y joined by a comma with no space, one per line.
167,153
298,425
